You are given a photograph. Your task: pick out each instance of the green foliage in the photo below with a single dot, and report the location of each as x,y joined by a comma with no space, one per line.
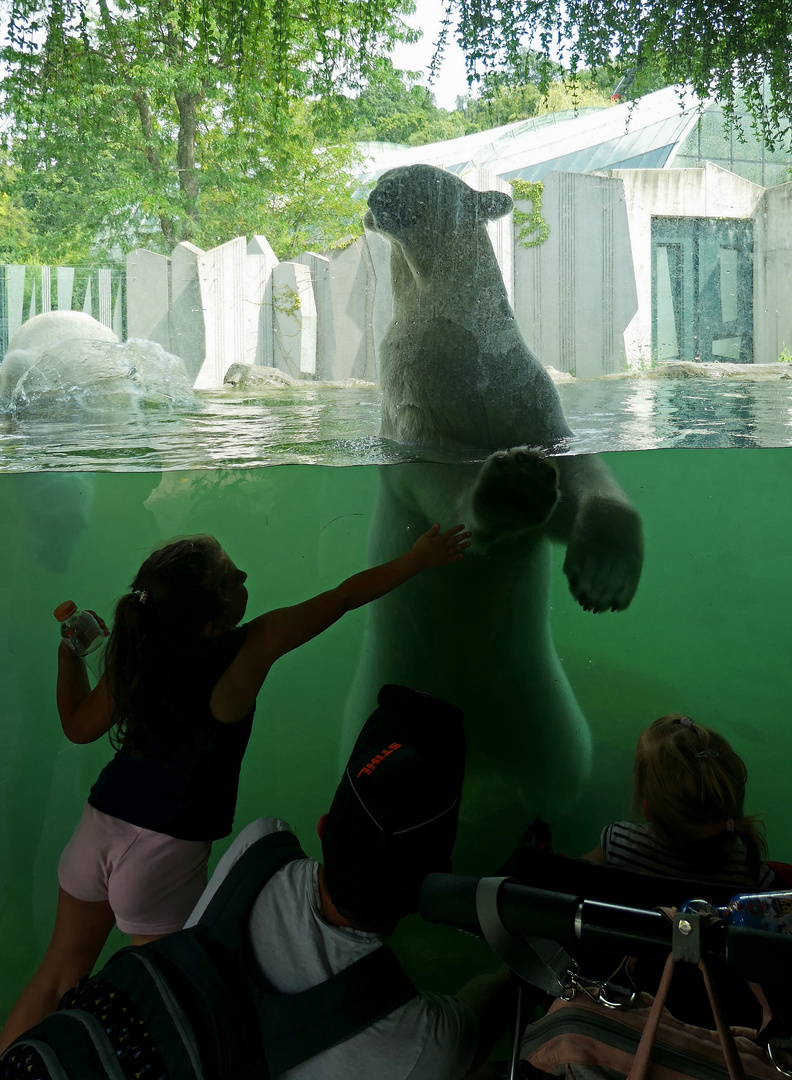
150,122
510,92
392,108
286,300
16,234
580,92
533,228
502,105
719,47
16,230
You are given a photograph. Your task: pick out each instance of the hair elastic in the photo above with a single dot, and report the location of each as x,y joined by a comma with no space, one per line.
707,753
685,721
141,594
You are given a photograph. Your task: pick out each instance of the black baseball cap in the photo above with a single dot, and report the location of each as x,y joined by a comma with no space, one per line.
395,813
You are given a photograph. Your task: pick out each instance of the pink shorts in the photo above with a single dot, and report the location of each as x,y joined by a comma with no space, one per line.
152,881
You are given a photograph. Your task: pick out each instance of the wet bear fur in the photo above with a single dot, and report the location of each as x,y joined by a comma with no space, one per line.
459,382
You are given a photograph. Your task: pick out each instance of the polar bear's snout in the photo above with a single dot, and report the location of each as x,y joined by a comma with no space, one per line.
389,211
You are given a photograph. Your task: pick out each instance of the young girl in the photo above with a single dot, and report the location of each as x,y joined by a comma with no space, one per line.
178,693
689,785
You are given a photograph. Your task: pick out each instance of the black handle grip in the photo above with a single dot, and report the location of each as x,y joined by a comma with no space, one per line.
526,912
450,899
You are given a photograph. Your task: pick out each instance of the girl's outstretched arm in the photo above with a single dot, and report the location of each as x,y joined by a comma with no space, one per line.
85,714
272,635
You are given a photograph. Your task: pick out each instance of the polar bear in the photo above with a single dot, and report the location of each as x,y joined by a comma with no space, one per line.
37,335
67,360
458,381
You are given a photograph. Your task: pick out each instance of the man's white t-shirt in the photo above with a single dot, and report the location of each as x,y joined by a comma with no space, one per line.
432,1037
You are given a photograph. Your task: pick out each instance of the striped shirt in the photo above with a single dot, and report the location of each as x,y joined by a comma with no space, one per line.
632,847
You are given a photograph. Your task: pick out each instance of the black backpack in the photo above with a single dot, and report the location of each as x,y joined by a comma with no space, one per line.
196,1006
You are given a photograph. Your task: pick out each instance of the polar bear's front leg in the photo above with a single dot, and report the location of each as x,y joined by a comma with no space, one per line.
604,555
515,491
603,534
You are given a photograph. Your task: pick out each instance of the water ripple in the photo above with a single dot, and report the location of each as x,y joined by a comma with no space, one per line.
329,425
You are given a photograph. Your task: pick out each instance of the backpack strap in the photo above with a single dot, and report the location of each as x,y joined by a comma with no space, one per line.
296,1027
219,1006
228,911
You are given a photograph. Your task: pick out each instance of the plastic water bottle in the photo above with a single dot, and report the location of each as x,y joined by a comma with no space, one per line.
79,629
770,911
762,911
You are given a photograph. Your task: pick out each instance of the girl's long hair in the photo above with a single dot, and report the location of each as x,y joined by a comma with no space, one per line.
157,640
693,784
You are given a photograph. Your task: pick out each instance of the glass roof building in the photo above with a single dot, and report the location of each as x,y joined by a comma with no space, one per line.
667,129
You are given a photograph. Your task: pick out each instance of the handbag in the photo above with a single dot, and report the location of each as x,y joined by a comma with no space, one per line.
583,1038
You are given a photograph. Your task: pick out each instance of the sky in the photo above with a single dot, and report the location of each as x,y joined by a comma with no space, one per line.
451,81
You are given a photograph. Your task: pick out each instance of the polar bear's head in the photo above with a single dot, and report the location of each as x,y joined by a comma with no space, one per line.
420,205
437,228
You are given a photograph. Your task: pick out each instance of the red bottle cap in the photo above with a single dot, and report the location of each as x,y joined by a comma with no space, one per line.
65,610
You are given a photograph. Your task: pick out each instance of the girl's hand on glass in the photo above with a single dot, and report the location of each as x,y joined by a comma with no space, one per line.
100,620
437,548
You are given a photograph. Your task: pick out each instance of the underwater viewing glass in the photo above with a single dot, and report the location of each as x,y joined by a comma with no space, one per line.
657,328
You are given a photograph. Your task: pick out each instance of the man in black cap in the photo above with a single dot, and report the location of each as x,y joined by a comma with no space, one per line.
393,820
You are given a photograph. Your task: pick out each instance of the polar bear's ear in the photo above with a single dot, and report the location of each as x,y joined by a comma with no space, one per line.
494,204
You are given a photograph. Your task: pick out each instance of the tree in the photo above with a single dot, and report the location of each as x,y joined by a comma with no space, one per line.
529,85
16,230
510,92
16,233
393,108
159,121
734,51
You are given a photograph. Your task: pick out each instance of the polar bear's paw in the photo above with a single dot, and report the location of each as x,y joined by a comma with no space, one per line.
516,490
605,555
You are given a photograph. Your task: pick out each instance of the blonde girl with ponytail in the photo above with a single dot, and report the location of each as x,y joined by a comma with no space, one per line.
689,787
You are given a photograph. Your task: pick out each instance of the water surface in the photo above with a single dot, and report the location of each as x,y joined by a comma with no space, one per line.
339,425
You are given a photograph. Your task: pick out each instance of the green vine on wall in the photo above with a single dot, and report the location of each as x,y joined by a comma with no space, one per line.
533,230
286,300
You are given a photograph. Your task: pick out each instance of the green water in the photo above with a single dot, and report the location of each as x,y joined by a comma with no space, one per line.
706,635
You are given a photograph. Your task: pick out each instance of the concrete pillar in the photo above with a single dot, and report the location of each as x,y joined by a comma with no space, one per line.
46,289
575,294
319,266
187,333
381,305
351,286
148,297
15,294
105,298
294,320
221,277
118,311
259,264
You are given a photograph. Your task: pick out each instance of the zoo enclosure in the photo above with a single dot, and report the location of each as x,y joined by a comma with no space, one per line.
612,286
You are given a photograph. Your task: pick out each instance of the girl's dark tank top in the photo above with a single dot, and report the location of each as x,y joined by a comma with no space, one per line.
189,790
